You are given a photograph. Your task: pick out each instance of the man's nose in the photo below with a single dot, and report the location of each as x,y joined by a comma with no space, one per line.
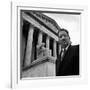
63,37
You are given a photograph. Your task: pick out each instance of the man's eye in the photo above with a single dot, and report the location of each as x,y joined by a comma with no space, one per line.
62,36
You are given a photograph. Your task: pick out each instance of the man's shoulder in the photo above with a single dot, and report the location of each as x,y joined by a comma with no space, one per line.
75,46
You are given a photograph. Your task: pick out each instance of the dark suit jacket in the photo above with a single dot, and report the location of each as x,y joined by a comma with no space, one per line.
70,62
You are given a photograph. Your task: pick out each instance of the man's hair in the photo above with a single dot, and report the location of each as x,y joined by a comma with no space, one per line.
63,30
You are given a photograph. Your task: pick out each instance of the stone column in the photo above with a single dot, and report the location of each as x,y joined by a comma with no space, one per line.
40,38
29,46
54,49
47,42
48,51
40,45
59,50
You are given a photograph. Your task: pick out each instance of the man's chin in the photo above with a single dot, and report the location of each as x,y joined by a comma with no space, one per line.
64,45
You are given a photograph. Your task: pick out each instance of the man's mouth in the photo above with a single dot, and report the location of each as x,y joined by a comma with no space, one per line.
64,41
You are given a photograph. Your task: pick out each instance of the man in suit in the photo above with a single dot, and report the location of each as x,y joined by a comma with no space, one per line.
67,62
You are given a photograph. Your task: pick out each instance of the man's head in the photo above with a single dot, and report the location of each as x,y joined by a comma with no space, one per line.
64,38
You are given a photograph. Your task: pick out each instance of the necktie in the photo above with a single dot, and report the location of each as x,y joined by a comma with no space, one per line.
62,54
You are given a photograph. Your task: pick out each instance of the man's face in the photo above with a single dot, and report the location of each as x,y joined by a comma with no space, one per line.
64,39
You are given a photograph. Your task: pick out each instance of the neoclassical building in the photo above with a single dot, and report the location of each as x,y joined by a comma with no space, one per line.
39,44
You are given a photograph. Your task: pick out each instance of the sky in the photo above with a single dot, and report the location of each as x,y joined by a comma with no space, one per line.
69,22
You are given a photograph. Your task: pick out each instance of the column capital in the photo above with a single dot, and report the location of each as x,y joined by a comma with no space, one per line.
54,40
